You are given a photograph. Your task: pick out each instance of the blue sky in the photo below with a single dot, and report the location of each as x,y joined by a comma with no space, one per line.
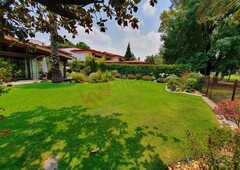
144,41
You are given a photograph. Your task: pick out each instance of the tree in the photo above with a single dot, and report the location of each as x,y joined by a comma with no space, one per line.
129,55
188,41
82,45
24,18
156,59
66,44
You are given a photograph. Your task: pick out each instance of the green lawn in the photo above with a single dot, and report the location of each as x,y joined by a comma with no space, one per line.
135,124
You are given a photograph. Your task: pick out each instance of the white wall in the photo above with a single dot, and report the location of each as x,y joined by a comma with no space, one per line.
81,55
115,58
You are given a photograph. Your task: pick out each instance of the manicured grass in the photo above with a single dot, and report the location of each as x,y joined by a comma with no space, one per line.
135,124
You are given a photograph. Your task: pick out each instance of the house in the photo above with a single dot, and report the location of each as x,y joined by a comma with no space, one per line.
28,61
81,54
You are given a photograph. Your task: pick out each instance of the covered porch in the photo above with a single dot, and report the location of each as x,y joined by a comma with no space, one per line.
28,62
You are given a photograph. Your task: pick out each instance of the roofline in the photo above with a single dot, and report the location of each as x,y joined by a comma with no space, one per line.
43,48
104,53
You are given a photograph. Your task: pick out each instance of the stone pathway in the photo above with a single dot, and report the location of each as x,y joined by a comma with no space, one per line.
20,82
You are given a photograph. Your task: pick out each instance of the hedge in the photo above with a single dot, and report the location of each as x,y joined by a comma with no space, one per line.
145,70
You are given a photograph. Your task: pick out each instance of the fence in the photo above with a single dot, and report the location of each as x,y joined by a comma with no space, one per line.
218,90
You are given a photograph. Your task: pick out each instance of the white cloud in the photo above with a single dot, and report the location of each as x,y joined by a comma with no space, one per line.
148,10
142,44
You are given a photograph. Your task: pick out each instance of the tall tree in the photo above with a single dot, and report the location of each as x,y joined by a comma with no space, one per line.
128,53
188,41
82,45
26,17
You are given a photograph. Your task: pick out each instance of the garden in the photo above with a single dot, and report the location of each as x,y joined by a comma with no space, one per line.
118,119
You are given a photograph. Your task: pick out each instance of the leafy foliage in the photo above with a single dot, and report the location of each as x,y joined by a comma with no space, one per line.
78,77
82,45
129,55
156,59
230,110
77,65
24,18
144,70
66,44
99,77
186,40
218,149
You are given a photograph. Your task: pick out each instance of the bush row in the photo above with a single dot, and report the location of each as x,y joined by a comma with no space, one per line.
95,77
144,70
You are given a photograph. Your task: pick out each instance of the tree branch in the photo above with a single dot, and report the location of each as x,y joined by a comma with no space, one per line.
81,3
5,4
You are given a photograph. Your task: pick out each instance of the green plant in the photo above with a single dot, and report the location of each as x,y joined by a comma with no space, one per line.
131,76
172,83
138,76
68,74
77,65
123,76
78,77
91,63
110,75
218,149
96,77
191,84
153,78
170,77
147,69
199,77
146,78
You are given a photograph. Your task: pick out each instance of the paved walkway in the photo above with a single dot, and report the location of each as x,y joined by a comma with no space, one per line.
20,82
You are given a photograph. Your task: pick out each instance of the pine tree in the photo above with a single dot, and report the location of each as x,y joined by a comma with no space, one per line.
128,54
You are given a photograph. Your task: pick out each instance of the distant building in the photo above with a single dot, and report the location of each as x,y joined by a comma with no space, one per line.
81,54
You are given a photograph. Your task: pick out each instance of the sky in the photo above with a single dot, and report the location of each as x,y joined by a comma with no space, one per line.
143,41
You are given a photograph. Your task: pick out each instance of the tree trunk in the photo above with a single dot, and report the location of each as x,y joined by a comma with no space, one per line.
55,68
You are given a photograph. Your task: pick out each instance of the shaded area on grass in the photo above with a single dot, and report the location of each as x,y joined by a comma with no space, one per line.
71,134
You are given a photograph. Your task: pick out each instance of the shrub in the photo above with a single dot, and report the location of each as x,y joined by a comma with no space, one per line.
217,149
96,77
99,77
131,76
146,78
77,65
170,77
147,69
138,76
123,76
78,77
153,78
191,84
199,77
172,83
68,74
91,63
117,75
230,110
109,75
